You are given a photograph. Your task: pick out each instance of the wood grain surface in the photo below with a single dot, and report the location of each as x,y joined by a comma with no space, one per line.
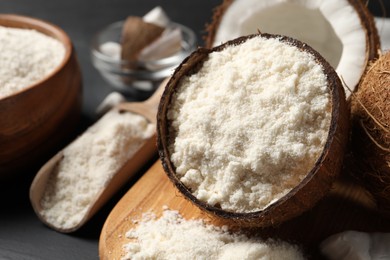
347,207
35,120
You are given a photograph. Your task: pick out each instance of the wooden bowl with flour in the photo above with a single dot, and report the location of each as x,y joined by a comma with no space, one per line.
253,131
39,105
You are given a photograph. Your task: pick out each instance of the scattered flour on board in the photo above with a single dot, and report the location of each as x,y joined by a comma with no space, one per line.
89,164
173,237
26,56
250,124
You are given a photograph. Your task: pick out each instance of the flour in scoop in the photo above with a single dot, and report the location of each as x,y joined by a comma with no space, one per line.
88,165
26,56
173,237
250,124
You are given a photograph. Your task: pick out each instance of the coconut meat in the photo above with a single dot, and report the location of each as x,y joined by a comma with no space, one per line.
356,245
332,27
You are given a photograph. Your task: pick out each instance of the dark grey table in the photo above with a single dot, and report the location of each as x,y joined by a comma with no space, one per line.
22,235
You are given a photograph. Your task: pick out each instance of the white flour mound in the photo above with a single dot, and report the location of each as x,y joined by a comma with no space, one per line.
173,237
26,56
89,163
250,124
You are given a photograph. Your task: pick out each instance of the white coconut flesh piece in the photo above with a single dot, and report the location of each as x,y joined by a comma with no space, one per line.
332,27
168,43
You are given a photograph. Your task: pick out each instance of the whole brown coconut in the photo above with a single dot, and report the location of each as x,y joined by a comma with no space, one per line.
316,182
371,131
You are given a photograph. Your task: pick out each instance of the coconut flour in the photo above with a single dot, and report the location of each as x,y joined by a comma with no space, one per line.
173,237
250,124
26,56
88,165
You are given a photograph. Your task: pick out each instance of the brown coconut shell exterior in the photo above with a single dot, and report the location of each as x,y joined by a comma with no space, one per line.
372,36
317,182
366,19
371,131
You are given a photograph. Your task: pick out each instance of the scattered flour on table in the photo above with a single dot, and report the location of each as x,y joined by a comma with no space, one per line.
26,56
89,163
250,124
173,237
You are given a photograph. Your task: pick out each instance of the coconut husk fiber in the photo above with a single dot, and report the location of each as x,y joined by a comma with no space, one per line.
371,131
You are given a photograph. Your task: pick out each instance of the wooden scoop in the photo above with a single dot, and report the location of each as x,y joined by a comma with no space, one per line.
347,207
148,109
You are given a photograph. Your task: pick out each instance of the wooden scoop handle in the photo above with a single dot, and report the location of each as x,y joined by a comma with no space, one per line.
146,108
154,100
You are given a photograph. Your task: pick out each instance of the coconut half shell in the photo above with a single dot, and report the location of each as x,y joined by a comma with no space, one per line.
348,62
310,190
371,131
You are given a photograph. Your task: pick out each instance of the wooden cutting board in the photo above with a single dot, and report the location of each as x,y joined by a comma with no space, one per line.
347,207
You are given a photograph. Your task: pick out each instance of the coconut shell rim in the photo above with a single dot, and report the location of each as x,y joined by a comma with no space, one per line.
337,100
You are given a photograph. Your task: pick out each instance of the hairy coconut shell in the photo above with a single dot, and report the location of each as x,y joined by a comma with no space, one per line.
366,19
317,182
371,130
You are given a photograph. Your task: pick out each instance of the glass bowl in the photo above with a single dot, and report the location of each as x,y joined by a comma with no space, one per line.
148,74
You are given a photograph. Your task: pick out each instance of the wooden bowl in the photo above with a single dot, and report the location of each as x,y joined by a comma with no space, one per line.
35,120
316,183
